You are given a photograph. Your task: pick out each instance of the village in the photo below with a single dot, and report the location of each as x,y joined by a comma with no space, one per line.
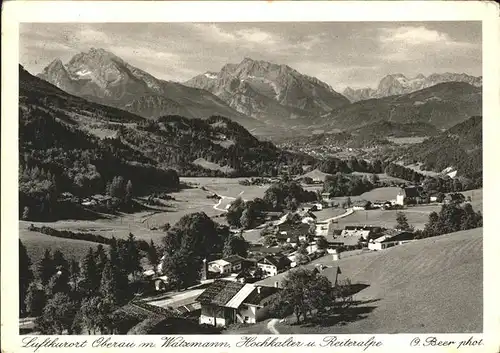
237,290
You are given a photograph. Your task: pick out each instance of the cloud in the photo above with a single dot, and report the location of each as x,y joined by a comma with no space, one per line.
338,53
89,35
255,35
412,35
406,43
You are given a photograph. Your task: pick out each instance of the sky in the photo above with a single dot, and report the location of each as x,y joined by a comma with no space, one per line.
354,54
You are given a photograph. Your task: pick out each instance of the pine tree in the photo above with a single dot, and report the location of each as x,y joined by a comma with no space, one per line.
74,271
101,259
35,300
402,222
133,260
109,287
59,283
116,262
60,263
25,275
153,255
129,192
46,268
57,315
90,277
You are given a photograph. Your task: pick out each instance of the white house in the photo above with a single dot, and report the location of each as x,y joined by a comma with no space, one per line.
226,302
219,266
226,265
271,265
387,241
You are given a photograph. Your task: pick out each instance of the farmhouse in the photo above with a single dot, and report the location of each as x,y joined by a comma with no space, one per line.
361,205
387,241
227,302
271,265
409,195
311,207
381,204
360,231
226,265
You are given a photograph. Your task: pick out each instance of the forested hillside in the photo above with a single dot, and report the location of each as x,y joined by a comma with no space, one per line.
459,147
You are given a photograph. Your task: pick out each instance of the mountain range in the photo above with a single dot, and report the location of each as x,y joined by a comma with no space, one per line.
266,98
100,76
270,92
442,105
397,84
56,126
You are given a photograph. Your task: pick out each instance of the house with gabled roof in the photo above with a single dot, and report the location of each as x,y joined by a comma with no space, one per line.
409,195
271,265
227,302
227,265
391,239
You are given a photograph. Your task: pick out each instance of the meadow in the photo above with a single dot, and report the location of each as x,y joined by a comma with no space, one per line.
408,288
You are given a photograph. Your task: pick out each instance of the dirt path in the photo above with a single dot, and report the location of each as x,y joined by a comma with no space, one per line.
348,212
271,326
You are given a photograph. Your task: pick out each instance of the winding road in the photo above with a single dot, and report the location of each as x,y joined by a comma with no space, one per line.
271,326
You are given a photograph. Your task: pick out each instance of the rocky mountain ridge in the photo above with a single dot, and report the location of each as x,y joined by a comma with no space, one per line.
269,91
102,77
397,84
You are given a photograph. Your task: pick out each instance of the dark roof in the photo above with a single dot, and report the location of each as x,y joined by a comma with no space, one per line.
279,261
271,250
400,236
234,259
219,292
412,191
265,293
361,203
363,227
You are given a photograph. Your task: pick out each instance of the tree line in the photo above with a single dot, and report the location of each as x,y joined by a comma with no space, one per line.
71,297
192,239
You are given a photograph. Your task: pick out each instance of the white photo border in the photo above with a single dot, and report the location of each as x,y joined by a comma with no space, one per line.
15,12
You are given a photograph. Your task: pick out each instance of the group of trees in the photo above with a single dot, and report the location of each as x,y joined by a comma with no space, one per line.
178,141
459,146
452,217
334,165
430,184
72,297
56,157
246,214
306,293
193,238
402,172
342,185
287,196
281,196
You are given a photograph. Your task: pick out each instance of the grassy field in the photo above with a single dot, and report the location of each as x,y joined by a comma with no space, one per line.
407,140
381,176
140,224
229,187
36,243
388,193
417,216
409,288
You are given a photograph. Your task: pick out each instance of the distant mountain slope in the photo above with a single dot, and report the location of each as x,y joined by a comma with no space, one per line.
442,105
397,84
459,147
101,76
384,129
269,91
169,142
